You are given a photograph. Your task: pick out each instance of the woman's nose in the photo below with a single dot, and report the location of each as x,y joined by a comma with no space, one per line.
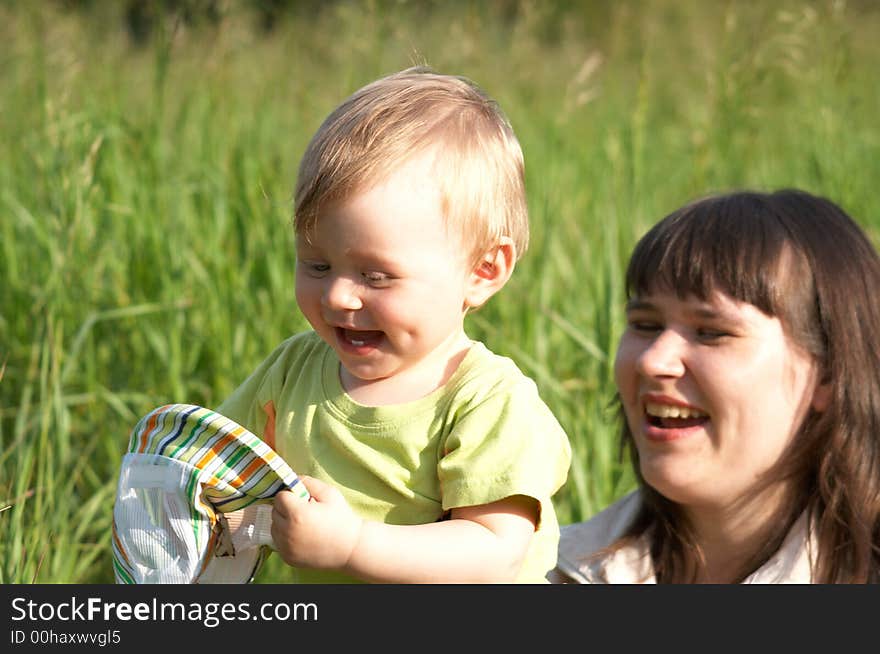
663,356
341,294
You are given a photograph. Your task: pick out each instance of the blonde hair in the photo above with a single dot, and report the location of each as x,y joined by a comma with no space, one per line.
478,161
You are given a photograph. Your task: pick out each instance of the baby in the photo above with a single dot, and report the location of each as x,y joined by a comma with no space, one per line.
428,458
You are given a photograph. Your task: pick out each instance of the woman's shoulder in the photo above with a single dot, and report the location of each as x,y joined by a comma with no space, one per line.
580,540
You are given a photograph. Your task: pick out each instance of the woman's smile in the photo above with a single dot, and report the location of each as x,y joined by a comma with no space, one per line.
668,422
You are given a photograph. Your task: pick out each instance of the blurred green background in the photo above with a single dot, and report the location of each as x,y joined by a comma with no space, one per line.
148,153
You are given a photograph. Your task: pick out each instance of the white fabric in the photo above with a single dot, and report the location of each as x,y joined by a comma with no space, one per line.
154,519
156,528
189,470
236,569
251,527
632,564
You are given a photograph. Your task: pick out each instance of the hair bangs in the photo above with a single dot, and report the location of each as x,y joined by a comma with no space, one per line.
724,244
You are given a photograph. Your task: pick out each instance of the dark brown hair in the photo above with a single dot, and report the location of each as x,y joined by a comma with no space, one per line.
802,259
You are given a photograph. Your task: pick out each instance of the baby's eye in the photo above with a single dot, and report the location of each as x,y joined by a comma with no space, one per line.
315,268
376,278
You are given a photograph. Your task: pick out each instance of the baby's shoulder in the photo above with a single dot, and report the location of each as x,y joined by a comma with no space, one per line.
484,374
300,345
494,387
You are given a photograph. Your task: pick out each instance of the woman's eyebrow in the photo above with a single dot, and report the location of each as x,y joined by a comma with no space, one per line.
700,311
713,312
707,312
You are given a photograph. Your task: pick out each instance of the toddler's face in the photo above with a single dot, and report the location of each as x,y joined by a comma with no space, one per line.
384,284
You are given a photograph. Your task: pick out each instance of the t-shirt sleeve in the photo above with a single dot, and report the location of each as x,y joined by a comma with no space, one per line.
508,443
252,404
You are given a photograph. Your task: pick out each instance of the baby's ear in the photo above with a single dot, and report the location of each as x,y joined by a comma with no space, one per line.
491,273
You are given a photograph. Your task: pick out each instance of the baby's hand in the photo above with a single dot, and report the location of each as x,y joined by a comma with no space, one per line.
320,533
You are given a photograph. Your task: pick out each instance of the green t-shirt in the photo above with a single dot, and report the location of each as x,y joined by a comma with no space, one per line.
483,436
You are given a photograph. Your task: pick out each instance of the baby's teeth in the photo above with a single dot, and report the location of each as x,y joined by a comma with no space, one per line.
357,343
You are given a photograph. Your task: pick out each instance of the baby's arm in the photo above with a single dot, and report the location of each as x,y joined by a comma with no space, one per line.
478,544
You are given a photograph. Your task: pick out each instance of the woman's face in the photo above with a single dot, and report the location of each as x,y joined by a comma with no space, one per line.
713,392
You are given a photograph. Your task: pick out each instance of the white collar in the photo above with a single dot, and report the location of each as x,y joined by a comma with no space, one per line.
631,564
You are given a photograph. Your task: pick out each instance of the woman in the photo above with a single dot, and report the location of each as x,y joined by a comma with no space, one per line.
749,388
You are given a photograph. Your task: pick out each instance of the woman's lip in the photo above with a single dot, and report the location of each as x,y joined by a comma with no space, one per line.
657,434
658,398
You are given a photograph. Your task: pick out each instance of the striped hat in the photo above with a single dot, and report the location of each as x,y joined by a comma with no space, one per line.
186,466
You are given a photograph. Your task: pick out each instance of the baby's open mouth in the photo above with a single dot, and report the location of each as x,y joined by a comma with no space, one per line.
670,416
360,337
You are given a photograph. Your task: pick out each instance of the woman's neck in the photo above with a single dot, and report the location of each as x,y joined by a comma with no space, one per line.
732,535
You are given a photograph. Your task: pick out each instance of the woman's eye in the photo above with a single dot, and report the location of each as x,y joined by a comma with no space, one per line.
643,326
711,335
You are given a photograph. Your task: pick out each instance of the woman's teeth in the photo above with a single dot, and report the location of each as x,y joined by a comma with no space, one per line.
671,411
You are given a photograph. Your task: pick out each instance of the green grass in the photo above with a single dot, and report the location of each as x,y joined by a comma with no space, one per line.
145,241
